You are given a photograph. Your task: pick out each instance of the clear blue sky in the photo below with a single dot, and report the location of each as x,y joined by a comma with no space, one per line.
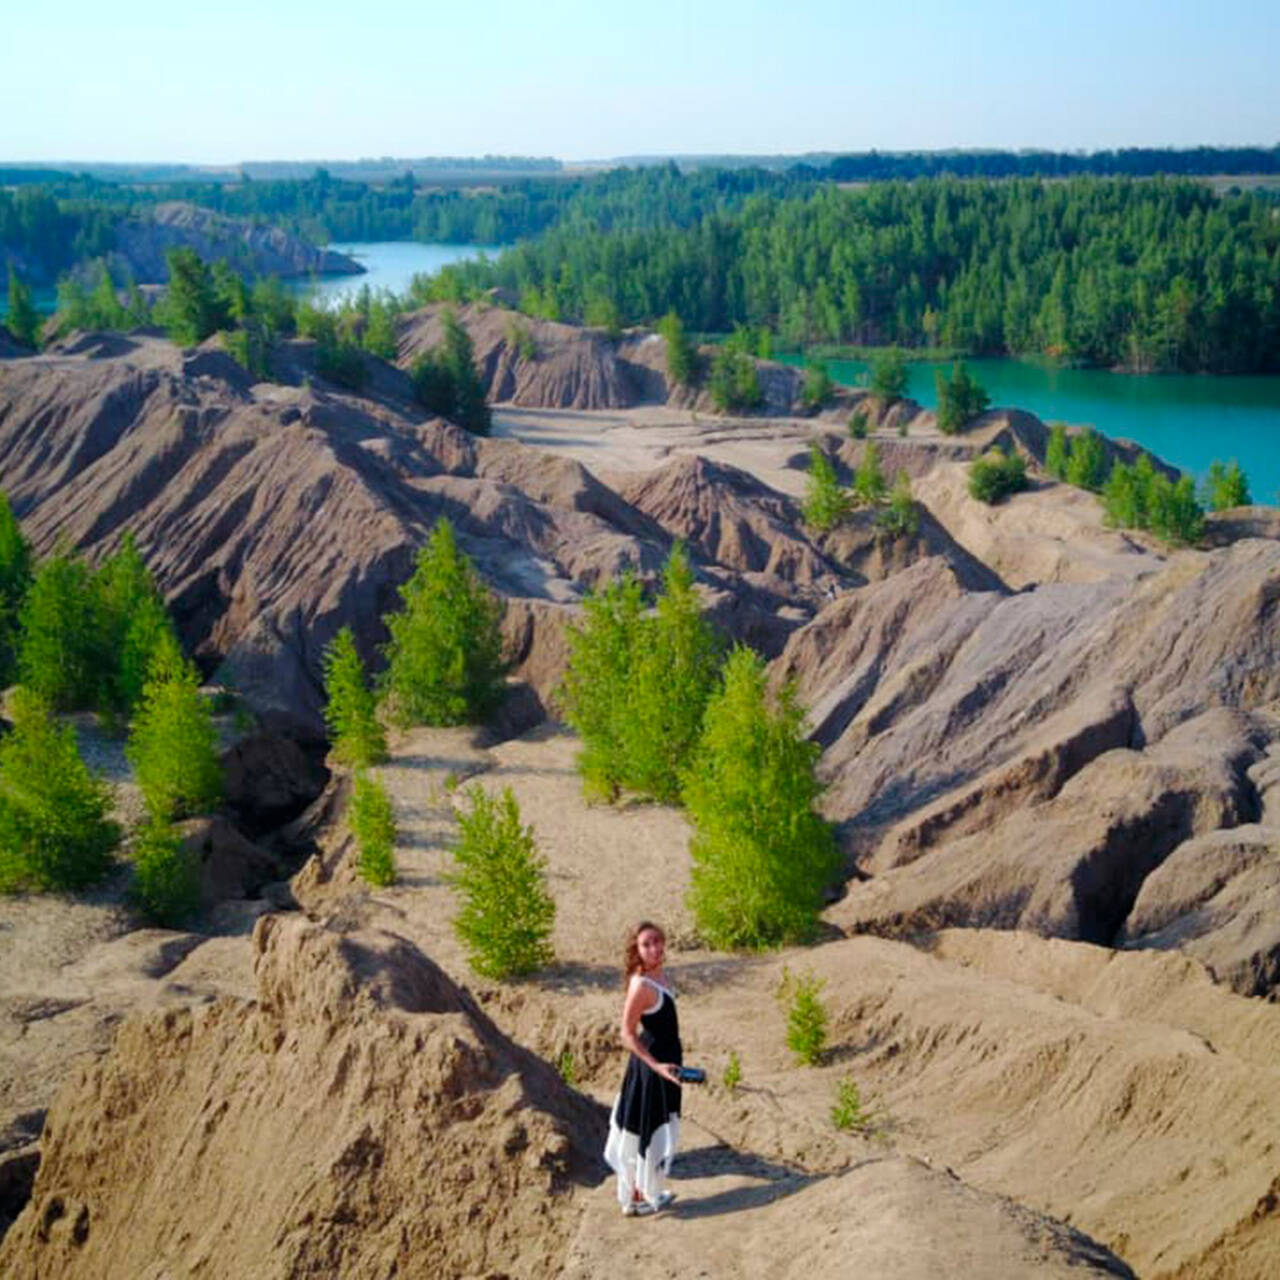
281,79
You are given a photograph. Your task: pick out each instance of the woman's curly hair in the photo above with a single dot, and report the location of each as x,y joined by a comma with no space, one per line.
631,962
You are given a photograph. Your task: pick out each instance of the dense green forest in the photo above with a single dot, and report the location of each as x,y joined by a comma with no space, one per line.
1112,272
1144,274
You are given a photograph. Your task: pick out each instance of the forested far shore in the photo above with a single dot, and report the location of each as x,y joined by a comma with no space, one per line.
1116,273
1138,274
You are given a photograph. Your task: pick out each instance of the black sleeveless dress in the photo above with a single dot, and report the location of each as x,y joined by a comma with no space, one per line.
644,1127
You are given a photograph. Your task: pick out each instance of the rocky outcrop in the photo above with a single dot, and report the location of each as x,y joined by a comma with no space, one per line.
361,1116
143,239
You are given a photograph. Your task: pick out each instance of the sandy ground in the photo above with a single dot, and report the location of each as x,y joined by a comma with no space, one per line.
1002,1076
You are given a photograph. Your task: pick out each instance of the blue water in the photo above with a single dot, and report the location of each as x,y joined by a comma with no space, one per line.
389,264
1186,419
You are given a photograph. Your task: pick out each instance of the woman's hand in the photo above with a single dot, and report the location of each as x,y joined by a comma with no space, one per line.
668,1071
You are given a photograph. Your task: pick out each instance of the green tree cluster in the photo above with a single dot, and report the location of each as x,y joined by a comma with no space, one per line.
869,483
507,913
996,475
444,658
1140,497
86,637
1056,452
445,380
55,826
636,686
762,856
960,399
900,516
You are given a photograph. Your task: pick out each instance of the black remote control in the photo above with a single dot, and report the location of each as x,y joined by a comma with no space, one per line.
692,1075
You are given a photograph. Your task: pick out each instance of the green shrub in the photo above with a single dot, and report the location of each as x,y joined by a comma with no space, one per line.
444,659
351,710
15,582
900,518
847,1113
1087,466
889,376
55,829
173,744
1225,487
1055,454
869,484
733,382
858,424
762,856
960,399
521,341
507,913
373,824
825,502
733,1071
566,1068
996,475
817,387
806,1017
166,878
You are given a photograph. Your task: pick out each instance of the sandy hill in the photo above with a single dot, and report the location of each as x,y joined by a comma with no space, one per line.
1050,751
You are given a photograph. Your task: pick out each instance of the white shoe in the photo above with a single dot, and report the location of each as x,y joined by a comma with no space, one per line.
663,1200
638,1209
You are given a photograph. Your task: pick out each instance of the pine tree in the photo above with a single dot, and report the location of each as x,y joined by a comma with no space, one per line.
1087,466
762,855
132,620
1055,454
445,661
60,650
825,502
55,826
173,744
191,308
889,376
15,582
673,673
166,879
869,483
373,823
507,912
960,399
594,694
351,709
23,320
1226,487
682,360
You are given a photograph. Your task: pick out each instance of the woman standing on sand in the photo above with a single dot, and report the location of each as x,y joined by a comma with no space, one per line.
644,1127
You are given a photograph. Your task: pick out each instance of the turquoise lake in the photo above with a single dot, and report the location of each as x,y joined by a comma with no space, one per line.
1186,419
